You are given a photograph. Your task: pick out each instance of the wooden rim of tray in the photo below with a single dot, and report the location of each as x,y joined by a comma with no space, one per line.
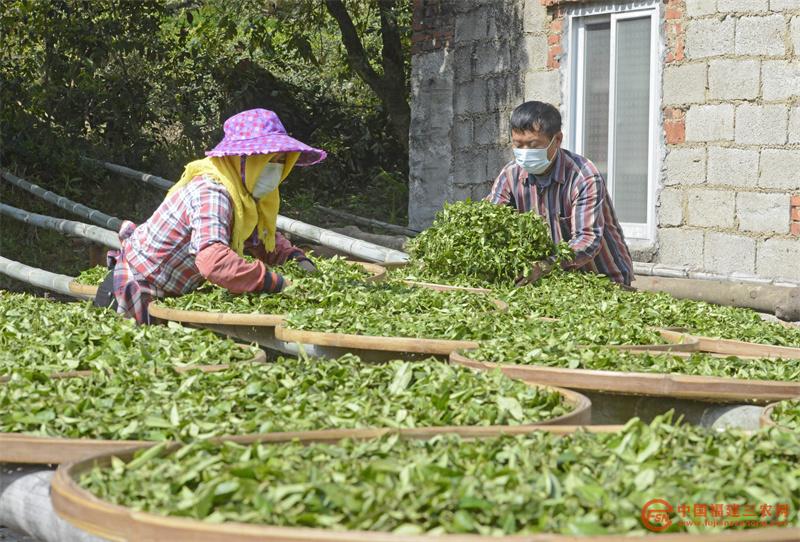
581,413
258,357
729,347
86,290
156,309
446,287
765,420
115,522
713,388
732,347
440,347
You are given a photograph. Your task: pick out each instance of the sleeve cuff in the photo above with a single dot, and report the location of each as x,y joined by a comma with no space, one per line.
273,282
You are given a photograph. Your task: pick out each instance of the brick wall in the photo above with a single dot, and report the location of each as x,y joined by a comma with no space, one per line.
731,88
730,181
432,25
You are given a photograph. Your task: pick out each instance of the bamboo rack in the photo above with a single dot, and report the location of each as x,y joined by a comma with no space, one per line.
87,231
102,219
38,277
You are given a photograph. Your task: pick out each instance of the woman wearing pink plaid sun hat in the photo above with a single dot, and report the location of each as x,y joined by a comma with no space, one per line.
224,206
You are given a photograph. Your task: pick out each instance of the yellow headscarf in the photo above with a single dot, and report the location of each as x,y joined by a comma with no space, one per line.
247,213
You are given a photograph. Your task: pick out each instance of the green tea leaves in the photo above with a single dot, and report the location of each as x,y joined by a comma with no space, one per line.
492,486
487,243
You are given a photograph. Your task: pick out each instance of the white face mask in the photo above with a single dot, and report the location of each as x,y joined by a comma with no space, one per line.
268,180
533,161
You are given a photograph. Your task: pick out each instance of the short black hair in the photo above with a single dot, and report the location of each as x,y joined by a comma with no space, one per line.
536,117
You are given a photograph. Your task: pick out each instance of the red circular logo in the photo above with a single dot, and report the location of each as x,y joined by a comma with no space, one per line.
656,515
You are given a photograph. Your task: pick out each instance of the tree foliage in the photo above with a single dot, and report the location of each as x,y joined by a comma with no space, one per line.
148,83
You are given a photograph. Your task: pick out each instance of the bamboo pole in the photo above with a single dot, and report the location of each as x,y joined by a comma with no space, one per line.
154,180
107,221
354,247
370,222
37,277
87,231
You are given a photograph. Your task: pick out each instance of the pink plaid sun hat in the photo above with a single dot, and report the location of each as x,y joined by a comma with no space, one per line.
259,131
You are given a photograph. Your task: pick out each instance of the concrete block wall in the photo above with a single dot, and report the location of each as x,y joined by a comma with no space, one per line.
730,179
729,191
464,88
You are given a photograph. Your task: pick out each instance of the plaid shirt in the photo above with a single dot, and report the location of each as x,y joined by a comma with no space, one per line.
157,258
573,200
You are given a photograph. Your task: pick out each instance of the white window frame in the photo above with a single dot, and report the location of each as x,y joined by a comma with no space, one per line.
578,18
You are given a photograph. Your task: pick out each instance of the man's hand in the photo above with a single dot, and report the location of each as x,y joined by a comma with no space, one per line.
538,270
308,266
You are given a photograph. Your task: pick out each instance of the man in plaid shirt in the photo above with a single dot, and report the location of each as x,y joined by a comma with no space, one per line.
566,190
223,206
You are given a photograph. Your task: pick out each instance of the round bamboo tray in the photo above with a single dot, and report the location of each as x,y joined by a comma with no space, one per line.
708,388
30,449
20,448
119,523
400,345
765,420
82,290
377,273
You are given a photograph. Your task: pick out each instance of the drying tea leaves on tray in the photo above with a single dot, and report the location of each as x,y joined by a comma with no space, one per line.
490,244
93,276
36,333
554,352
787,414
578,484
586,296
306,290
287,395
390,309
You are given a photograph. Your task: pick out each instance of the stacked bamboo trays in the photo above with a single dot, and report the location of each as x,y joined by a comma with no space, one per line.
31,449
102,518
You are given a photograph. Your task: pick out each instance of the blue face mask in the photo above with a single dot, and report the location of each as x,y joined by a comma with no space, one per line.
534,161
